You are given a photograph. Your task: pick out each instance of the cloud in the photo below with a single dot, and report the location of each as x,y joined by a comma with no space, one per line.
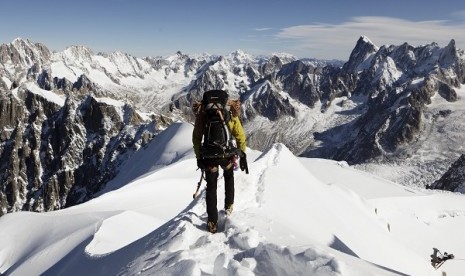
262,29
323,40
459,14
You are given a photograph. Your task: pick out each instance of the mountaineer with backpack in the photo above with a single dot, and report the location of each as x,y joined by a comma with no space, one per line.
217,122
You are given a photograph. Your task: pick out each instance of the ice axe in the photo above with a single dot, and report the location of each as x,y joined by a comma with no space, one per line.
198,185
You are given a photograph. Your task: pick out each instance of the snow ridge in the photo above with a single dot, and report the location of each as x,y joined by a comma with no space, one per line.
290,217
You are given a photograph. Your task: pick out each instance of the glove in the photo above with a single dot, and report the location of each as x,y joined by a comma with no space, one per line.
243,162
200,164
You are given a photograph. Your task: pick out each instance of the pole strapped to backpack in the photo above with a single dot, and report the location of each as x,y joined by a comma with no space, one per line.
226,128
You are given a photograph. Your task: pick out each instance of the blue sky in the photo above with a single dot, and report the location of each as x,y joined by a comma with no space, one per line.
317,29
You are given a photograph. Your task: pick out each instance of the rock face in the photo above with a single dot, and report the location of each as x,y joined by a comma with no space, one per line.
59,142
454,179
399,83
55,154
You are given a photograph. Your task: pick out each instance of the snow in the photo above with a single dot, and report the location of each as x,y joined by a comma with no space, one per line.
292,216
60,70
365,64
49,95
111,236
366,39
240,57
284,56
299,130
123,74
145,115
431,156
110,101
100,77
6,81
418,80
387,72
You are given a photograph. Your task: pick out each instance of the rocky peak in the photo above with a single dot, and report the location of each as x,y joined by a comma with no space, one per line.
77,54
449,55
404,56
178,63
22,54
177,59
360,57
156,62
30,52
240,57
85,85
273,64
296,67
400,82
285,57
264,99
126,64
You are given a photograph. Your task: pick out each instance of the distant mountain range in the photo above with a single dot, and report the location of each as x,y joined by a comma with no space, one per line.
71,118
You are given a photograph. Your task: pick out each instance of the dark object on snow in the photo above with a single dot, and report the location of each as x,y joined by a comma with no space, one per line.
243,162
200,164
438,258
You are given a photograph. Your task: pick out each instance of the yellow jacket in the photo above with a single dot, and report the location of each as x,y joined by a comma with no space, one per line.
234,125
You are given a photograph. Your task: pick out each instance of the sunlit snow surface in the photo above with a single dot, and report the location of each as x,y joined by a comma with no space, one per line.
123,75
292,216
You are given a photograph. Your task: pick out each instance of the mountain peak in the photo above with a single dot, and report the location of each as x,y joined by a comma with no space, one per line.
361,54
285,56
239,52
451,43
78,52
25,52
20,43
19,40
449,54
451,47
239,56
79,48
365,39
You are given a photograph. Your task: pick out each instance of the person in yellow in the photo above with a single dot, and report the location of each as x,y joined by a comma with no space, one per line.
218,138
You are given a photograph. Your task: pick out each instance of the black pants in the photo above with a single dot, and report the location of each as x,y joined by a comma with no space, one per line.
211,176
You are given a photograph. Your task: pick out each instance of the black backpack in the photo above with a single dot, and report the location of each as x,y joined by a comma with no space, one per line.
218,142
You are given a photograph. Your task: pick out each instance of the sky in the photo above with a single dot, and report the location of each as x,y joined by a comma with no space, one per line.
304,28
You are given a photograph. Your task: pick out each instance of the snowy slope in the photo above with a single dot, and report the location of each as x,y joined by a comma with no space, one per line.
293,216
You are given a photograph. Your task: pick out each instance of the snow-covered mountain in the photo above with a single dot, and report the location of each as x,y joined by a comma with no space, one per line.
69,118
386,105
291,217
58,151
